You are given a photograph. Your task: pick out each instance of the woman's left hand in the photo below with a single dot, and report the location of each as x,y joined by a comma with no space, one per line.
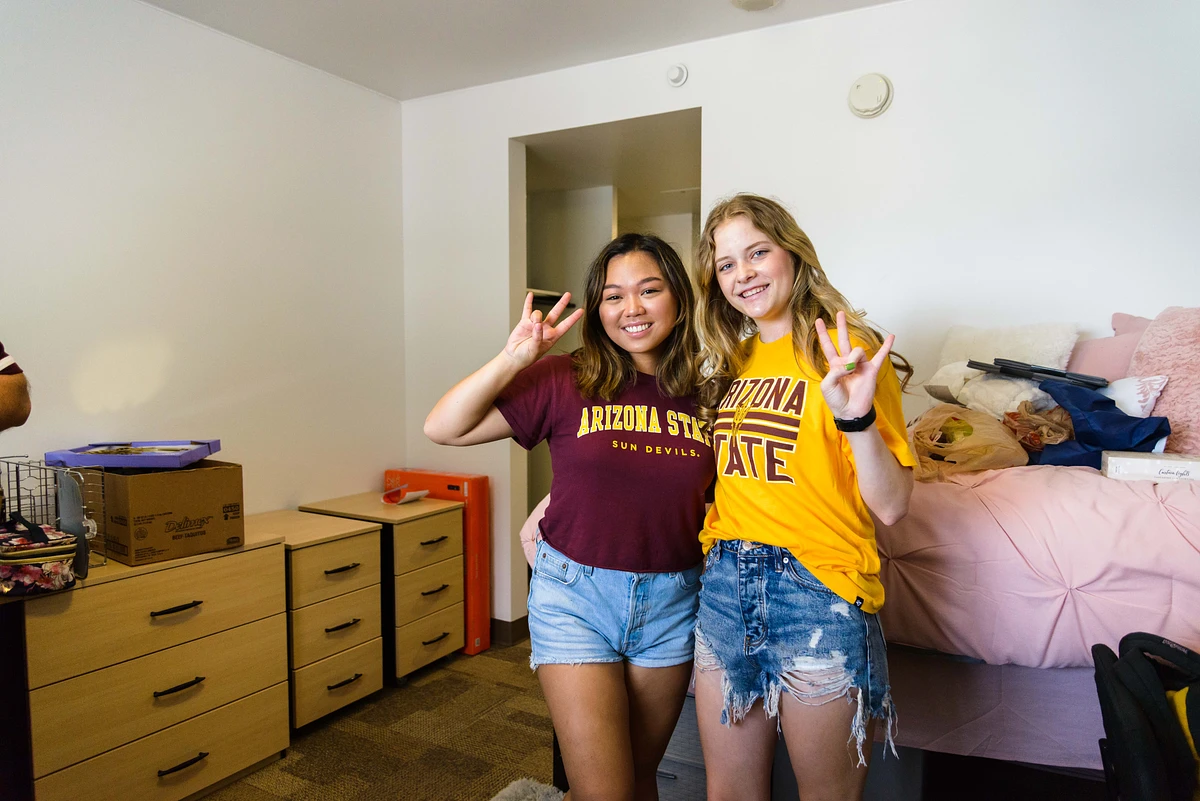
849,387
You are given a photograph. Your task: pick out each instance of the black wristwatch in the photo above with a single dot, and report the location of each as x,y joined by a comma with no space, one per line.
857,424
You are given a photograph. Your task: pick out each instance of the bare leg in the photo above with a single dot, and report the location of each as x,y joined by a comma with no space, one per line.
589,707
824,756
737,758
655,699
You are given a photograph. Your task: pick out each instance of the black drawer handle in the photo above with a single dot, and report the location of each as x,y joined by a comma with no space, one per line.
435,592
665,775
341,626
343,568
442,538
174,609
443,636
178,687
350,680
182,765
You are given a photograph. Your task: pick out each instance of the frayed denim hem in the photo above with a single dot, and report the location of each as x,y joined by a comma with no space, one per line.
813,682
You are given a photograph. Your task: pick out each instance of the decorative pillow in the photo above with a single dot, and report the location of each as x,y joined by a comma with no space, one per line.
1135,396
1129,324
1109,357
997,394
1171,347
946,383
1047,345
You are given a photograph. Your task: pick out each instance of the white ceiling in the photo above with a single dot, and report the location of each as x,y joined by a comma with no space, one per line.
411,48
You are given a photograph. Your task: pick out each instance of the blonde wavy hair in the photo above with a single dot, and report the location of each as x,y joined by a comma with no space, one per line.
723,328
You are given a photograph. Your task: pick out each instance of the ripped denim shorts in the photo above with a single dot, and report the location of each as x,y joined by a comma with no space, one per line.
772,626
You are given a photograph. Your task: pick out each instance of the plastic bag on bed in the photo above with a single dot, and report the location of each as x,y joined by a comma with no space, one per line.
950,439
1035,430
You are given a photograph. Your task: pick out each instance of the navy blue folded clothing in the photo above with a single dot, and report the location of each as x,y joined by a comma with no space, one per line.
1099,426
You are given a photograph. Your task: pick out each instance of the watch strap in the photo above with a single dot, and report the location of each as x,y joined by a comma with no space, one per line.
857,423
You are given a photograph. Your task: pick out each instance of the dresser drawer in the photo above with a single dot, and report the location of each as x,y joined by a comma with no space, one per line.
429,638
74,632
428,590
232,738
324,629
330,684
79,718
427,541
332,568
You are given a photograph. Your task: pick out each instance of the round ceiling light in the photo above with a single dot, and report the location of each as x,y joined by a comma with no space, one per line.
755,5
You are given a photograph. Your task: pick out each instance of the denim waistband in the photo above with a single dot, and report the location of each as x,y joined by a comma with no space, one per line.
773,555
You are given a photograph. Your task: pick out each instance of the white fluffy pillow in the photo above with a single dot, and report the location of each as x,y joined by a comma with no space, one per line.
1046,344
947,382
1136,396
996,394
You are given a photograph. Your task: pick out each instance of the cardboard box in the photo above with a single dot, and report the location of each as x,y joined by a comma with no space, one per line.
155,515
1130,466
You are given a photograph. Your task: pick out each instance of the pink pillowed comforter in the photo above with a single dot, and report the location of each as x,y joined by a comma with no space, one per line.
1033,565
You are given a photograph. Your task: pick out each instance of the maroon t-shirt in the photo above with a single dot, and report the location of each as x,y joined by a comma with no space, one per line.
630,476
8,365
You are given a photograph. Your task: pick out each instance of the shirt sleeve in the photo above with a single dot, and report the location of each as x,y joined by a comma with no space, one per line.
8,365
889,413
528,403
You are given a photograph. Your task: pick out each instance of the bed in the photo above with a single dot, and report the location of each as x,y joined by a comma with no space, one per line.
999,582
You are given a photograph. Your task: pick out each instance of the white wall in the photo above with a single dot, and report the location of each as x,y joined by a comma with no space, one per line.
199,238
680,231
1038,163
566,230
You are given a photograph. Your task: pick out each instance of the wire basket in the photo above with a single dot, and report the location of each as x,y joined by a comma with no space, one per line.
33,489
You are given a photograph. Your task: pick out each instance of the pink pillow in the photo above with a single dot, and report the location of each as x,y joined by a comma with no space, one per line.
1109,357
1171,347
1129,324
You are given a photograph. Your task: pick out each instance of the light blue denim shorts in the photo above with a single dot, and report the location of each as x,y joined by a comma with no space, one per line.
581,614
773,627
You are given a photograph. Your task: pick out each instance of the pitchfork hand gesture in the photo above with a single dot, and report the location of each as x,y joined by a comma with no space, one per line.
533,337
849,387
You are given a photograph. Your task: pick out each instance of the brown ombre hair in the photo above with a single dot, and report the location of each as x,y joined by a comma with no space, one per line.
603,369
722,327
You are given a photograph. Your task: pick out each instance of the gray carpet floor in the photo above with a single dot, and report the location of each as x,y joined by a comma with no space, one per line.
462,729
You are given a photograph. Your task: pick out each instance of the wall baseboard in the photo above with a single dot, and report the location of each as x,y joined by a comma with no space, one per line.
509,632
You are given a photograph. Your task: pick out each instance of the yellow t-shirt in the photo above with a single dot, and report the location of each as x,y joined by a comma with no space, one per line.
786,475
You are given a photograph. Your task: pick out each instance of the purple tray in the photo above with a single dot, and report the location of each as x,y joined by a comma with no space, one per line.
160,453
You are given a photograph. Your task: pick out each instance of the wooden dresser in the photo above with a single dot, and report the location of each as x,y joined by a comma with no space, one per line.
152,682
422,563
335,646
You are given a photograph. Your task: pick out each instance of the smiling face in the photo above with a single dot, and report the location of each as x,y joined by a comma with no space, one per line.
755,275
637,308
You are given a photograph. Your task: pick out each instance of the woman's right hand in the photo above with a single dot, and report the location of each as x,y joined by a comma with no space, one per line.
533,336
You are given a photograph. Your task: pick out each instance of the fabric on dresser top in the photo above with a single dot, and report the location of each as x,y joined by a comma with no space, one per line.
1033,565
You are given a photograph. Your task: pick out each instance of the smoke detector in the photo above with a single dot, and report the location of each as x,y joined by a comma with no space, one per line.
755,5
870,95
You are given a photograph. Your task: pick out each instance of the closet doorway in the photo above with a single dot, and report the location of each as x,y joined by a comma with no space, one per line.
584,186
